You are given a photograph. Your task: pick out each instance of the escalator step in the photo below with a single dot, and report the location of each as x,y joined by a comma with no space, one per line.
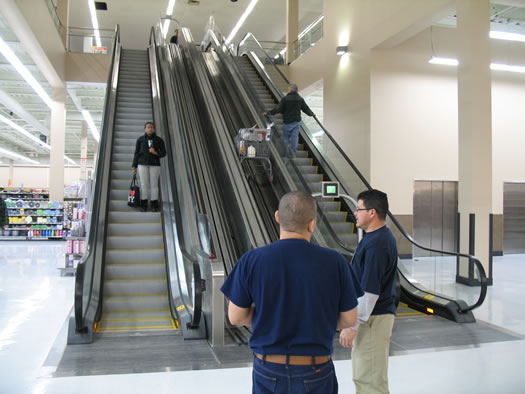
121,229
131,217
135,304
135,288
134,271
130,243
144,256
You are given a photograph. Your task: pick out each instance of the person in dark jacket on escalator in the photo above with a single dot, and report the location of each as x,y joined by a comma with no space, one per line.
149,149
291,106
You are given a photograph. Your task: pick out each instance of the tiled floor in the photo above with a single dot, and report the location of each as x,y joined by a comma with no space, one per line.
35,302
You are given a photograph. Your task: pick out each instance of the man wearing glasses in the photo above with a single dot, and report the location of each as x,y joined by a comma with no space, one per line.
374,264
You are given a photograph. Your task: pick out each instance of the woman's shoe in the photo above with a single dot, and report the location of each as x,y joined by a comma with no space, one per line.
154,205
143,205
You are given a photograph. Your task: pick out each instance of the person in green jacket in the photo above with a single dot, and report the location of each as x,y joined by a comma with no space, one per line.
291,106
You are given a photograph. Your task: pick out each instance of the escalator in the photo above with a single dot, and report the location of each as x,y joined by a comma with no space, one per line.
252,91
141,273
135,288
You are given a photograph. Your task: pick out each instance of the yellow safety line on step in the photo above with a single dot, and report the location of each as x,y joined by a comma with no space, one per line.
134,328
109,297
134,311
133,320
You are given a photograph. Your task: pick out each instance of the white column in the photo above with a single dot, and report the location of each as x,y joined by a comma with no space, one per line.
292,28
10,181
83,151
474,126
58,134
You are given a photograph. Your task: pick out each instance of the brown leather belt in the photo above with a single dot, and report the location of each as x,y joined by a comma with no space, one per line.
293,360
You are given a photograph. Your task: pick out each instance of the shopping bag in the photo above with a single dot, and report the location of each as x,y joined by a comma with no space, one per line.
134,193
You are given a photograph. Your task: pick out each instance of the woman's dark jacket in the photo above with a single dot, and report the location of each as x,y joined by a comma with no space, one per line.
142,154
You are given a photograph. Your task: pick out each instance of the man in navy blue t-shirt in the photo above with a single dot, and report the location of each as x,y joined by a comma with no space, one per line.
375,264
295,295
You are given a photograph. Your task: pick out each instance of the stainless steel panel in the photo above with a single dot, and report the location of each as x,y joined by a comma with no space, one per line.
437,215
422,216
513,217
450,215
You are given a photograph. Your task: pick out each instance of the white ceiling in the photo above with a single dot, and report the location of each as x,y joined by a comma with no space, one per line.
267,20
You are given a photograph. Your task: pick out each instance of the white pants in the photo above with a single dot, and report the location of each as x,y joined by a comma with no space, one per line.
149,182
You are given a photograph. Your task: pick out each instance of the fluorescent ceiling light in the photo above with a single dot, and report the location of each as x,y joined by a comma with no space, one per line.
24,72
507,67
27,134
501,35
91,124
493,66
241,20
94,21
169,13
444,61
171,6
16,156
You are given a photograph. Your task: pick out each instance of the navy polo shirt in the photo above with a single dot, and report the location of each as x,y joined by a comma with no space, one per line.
298,290
375,264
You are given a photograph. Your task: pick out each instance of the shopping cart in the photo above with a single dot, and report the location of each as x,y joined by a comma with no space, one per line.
254,144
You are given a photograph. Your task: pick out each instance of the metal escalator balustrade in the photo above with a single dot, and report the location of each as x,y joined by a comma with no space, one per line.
336,164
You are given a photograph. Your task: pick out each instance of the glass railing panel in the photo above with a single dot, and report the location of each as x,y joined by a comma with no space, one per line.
83,40
309,37
439,275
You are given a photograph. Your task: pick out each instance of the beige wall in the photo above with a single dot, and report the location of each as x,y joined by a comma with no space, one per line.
414,130
346,79
87,67
37,177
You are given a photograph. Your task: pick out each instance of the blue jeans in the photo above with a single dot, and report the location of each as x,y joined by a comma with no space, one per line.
291,135
291,379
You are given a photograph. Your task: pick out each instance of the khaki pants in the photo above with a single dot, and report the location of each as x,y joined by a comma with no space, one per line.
370,355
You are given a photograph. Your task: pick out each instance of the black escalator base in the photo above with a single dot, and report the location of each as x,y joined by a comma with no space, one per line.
439,307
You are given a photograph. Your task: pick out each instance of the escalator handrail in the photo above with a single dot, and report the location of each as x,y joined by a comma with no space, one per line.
90,254
481,271
196,307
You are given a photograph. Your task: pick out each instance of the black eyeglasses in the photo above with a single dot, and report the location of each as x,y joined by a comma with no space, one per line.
362,209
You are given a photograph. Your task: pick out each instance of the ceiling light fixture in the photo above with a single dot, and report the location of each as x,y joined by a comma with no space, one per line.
27,134
91,124
493,66
241,20
443,61
94,21
24,72
167,21
501,35
507,67
16,156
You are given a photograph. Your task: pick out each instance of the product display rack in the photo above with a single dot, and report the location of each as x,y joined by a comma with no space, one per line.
75,225
32,216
